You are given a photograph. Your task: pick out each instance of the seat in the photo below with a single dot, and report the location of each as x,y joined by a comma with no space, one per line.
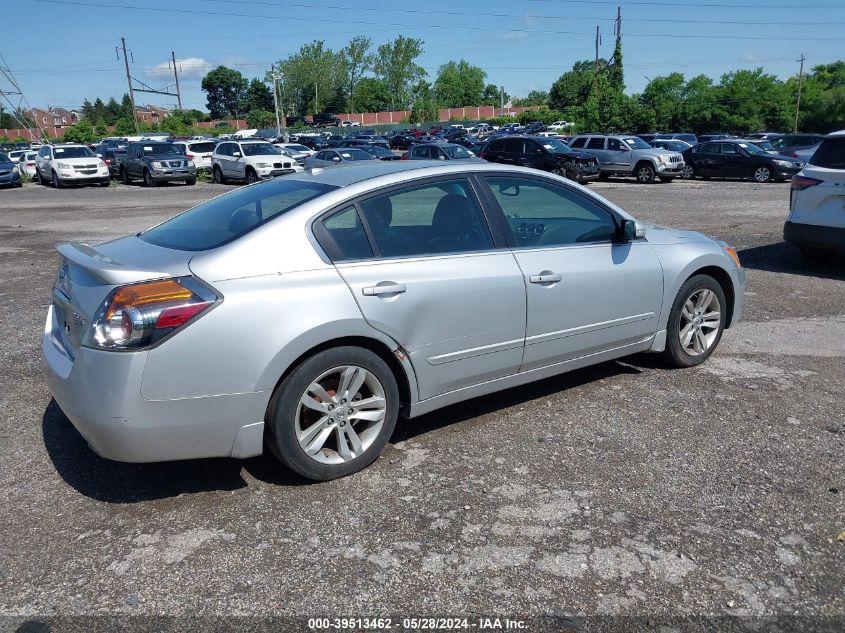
456,227
379,214
242,220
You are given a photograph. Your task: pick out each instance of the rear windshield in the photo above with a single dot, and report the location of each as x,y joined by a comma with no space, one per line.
202,147
224,219
830,154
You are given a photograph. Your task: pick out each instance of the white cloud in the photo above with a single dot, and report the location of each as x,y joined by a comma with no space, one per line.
189,68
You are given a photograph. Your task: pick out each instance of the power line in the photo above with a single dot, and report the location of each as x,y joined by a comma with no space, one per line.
253,16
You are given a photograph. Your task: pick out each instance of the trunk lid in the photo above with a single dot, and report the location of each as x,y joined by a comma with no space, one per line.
88,273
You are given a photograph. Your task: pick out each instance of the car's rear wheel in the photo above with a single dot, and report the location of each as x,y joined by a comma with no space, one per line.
696,322
190,181
217,174
333,414
644,174
762,174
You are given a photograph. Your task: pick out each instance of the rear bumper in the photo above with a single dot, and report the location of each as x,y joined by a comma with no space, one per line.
100,393
815,236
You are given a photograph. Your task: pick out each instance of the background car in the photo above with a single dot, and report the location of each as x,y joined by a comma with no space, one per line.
337,156
816,222
732,158
763,144
26,164
788,144
673,145
470,272
630,156
547,154
350,124
692,139
67,163
325,119
366,139
9,175
250,161
440,151
198,151
379,151
311,141
296,151
156,163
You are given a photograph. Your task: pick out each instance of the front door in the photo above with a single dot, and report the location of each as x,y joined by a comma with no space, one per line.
586,293
618,154
437,285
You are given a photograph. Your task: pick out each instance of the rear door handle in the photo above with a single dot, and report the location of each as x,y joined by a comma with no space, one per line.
545,278
384,289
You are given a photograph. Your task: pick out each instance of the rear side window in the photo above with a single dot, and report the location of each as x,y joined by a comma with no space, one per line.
343,236
830,154
496,146
578,142
514,145
596,143
224,219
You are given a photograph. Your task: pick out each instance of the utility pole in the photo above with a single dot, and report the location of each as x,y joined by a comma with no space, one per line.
598,41
129,83
316,109
176,75
800,80
618,23
502,94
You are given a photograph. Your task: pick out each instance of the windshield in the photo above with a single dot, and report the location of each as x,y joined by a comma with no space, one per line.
830,154
157,149
260,149
635,142
457,152
297,148
751,149
764,145
73,152
232,215
378,150
355,154
555,146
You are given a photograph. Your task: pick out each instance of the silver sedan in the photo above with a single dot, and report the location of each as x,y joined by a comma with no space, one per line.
308,312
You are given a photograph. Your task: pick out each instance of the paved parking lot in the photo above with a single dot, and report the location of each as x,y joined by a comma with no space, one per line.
623,489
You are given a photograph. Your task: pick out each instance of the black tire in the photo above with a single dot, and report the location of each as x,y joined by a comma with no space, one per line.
57,182
190,181
603,175
762,173
148,179
251,176
557,171
667,179
285,405
644,173
675,355
124,177
688,172
817,255
217,176
37,178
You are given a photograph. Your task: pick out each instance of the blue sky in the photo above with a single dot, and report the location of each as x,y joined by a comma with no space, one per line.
62,51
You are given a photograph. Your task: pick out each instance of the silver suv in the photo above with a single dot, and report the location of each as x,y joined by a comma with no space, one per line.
630,156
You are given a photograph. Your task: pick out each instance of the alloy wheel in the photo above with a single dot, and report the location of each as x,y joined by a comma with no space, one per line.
700,322
762,174
687,172
340,414
645,174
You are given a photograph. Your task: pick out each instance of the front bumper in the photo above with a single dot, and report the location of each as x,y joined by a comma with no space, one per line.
100,393
272,173
671,168
815,236
11,179
166,175
779,171
86,179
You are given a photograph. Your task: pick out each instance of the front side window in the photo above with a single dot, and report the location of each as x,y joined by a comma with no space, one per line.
636,142
614,145
441,217
544,214
221,220
729,149
457,152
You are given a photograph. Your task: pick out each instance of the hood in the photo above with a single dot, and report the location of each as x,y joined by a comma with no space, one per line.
576,153
165,156
788,159
657,234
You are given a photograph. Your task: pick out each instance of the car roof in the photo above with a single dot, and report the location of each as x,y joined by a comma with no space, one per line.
837,134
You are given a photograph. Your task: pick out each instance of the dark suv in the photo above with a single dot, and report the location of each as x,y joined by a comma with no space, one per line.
736,158
325,119
548,154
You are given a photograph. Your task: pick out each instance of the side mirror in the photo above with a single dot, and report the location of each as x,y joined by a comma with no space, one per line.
236,154
336,159
627,231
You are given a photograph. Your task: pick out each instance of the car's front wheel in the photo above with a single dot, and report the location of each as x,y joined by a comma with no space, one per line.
688,173
333,414
644,173
762,174
57,182
217,174
696,322
148,179
251,176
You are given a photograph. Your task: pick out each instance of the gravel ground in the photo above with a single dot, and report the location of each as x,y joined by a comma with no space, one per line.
609,494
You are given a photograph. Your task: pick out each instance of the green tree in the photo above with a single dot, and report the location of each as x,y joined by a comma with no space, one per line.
423,109
314,80
126,106
87,109
371,95
258,97
124,127
459,84
112,111
665,97
261,119
357,60
100,128
751,100
573,87
491,96
81,132
226,90
534,98
615,71
395,63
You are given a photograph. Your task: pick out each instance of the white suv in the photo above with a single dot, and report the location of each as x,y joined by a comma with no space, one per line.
70,163
198,151
250,161
816,222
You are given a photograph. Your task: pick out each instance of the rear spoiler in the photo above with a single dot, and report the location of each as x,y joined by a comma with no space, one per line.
103,267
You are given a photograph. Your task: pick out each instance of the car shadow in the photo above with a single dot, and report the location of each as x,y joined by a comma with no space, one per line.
121,483
782,257
117,482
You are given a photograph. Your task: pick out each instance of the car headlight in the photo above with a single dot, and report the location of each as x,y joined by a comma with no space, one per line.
190,163
63,166
157,164
15,170
782,163
263,165
664,158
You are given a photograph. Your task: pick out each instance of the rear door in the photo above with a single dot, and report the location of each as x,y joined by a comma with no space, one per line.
734,163
586,293
596,147
437,282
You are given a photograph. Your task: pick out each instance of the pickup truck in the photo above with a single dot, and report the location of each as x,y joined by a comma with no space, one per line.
156,163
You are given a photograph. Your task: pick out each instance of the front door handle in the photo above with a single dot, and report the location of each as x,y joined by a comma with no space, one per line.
545,278
384,289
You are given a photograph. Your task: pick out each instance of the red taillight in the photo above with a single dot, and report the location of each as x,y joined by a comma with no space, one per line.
174,317
800,183
483,155
190,156
405,156
107,161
